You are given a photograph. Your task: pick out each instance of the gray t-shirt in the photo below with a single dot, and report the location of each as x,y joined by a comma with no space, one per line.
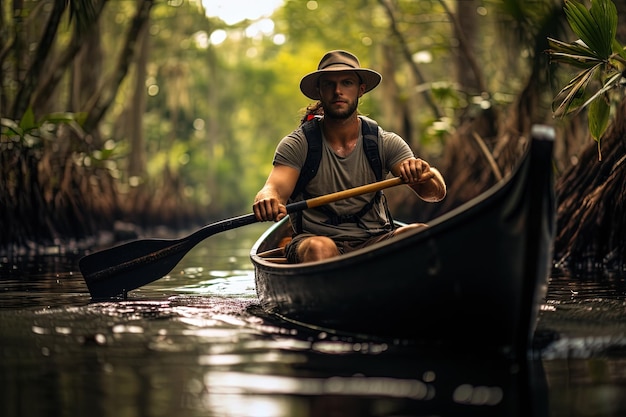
337,173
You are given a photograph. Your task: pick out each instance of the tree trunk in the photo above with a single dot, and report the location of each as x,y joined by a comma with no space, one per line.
84,40
137,159
104,100
31,78
468,74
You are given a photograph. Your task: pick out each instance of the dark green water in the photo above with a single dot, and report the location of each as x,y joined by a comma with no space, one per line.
195,343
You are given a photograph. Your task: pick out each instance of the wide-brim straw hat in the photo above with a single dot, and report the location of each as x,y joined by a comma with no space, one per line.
338,61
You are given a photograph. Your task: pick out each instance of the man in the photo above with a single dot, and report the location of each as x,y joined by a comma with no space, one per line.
352,223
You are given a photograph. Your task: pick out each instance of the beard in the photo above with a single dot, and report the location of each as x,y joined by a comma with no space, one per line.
340,114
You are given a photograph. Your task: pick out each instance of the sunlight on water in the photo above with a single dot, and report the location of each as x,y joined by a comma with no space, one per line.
247,405
480,395
240,383
583,347
342,347
223,283
123,328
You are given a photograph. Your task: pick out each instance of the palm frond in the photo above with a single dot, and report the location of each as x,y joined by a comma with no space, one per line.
593,26
577,53
604,13
610,84
573,93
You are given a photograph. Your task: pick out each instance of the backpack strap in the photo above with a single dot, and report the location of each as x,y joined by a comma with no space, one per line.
313,133
369,129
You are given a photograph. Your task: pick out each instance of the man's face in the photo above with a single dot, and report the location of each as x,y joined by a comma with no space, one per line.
339,93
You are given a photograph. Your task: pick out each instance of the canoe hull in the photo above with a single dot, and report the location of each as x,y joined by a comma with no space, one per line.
475,276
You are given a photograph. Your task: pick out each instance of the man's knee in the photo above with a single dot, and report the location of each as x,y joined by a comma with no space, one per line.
317,248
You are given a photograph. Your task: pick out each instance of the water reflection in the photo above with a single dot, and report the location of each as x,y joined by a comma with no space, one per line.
411,393
195,343
195,355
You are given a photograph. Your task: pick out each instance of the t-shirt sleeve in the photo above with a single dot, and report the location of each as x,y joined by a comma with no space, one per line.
291,150
395,150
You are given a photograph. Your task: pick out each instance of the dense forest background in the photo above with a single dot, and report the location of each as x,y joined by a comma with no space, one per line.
150,113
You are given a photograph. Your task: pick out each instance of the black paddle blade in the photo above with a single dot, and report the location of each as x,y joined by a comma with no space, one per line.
113,272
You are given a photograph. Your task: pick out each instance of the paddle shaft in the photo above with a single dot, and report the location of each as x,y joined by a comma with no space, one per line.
121,264
341,195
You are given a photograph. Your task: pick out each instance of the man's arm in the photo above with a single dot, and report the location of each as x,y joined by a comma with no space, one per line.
269,203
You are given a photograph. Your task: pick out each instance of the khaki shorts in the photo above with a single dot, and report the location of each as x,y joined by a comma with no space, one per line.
344,246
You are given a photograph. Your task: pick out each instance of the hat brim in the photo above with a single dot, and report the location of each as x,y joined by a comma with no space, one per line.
309,83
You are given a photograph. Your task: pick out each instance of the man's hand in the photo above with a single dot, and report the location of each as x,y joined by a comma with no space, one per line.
425,180
415,170
269,209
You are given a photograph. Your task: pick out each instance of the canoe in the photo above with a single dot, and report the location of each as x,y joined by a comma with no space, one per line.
476,276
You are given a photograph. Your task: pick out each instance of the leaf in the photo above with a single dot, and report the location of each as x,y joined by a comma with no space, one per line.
575,54
599,111
12,128
580,61
28,120
618,49
572,93
611,83
575,48
604,13
580,20
592,26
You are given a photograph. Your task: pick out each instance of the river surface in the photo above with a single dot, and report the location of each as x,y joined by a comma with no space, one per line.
196,343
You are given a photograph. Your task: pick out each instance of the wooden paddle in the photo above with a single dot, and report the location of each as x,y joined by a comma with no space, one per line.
113,272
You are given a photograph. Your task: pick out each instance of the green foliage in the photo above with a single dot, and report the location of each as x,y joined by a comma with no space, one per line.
595,27
600,110
31,133
600,58
215,111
